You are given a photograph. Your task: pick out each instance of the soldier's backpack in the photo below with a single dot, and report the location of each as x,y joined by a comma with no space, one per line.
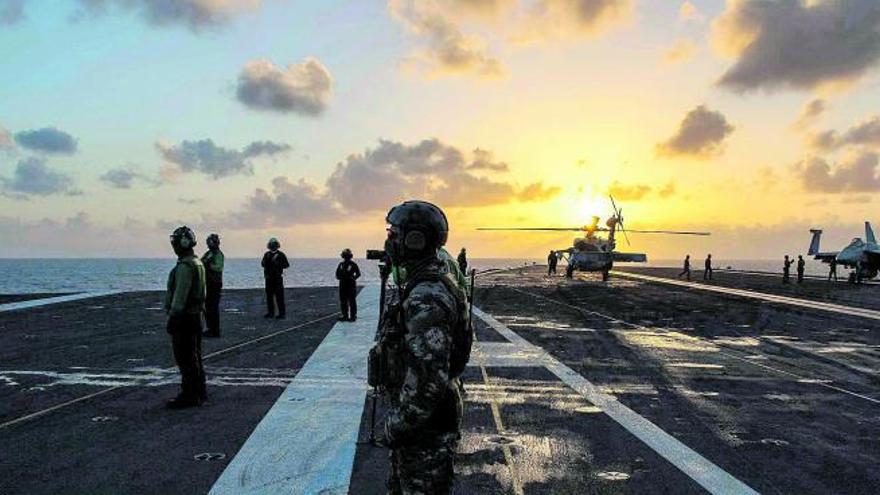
462,332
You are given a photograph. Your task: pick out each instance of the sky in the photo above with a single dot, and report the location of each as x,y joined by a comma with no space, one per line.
307,120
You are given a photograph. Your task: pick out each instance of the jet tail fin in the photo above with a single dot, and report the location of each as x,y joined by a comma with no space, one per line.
869,234
814,243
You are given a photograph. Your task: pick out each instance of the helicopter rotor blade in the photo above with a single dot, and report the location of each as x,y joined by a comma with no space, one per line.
545,229
671,232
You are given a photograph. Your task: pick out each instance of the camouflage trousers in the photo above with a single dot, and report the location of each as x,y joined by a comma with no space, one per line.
423,468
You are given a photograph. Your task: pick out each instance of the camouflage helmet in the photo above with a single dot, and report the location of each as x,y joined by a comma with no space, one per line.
416,229
183,237
273,243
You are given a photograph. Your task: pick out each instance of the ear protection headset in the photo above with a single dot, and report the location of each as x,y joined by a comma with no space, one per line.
415,240
184,237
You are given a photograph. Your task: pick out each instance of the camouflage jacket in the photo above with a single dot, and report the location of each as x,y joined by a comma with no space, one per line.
427,401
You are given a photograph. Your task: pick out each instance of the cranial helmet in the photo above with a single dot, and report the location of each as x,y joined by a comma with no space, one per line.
415,229
183,237
213,240
346,254
273,243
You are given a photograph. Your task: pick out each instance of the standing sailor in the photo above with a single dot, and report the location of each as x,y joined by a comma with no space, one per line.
707,272
832,271
551,263
347,273
274,263
786,270
184,303
801,265
213,260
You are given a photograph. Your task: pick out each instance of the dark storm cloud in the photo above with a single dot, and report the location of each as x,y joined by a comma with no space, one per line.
11,11
47,140
303,88
195,14
216,161
797,43
700,134
856,173
33,178
387,174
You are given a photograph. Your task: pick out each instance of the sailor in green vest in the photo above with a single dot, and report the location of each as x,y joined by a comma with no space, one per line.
184,304
213,260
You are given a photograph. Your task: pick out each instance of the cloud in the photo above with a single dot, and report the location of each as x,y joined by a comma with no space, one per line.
811,111
866,133
858,172
560,19
638,192
623,192
680,51
689,12
33,178
385,175
123,178
303,88
194,14
11,11
448,50
216,161
289,203
699,135
47,140
796,43
6,141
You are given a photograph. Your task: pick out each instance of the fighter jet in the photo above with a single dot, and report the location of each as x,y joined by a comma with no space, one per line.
863,257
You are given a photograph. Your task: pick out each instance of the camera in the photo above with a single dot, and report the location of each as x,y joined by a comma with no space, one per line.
377,254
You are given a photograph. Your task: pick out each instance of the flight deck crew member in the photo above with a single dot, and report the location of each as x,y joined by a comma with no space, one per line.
801,264
424,421
274,263
707,273
551,263
184,303
832,271
786,270
213,260
462,261
687,267
347,273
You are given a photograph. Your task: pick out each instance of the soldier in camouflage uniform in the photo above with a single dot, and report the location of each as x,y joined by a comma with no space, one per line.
423,425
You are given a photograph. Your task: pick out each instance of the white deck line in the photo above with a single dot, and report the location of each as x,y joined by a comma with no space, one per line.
705,473
306,442
45,301
791,301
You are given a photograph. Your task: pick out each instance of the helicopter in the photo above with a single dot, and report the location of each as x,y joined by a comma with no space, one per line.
593,253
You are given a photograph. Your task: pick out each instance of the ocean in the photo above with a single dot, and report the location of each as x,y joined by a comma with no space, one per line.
24,276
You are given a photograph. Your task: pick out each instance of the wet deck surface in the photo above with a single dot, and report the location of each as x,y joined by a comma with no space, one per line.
783,399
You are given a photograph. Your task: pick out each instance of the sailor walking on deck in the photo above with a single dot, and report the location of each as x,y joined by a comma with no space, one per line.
707,272
832,271
213,260
347,273
551,263
801,265
687,267
274,263
184,304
